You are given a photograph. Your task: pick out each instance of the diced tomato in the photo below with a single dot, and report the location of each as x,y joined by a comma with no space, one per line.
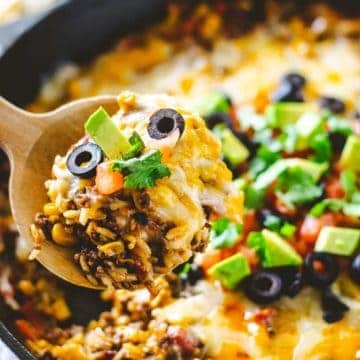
233,116
108,181
250,222
311,226
283,209
250,255
212,257
333,188
28,330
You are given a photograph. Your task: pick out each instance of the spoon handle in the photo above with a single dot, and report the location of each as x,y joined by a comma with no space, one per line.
18,129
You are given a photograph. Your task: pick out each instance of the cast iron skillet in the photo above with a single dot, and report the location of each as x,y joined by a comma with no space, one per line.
74,31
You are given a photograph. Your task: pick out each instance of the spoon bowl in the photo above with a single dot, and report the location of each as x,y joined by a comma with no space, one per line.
31,142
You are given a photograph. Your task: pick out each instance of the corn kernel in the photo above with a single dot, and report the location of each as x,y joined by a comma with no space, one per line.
26,287
50,209
61,236
113,248
60,310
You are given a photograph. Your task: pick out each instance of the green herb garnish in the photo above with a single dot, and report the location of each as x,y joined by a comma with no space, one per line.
297,187
321,146
254,199
224,233
136,146
142,172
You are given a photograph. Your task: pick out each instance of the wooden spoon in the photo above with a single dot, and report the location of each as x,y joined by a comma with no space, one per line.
31,141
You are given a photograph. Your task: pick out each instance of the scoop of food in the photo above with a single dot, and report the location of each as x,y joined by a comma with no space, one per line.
135,195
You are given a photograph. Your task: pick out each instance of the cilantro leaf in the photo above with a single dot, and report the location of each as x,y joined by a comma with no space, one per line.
142,172
289,138
136,146
297,187
263,159
224,233
273,222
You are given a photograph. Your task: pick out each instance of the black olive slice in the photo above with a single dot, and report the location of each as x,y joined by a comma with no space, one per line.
333,308
264,287
355,269
320,269
296,80
287,92
164,122
216,118
335,105
84,159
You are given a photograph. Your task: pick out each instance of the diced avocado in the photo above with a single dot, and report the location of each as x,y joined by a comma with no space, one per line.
284,113
350,156
240,184
307,125
278,252
270,175
106,134
232,148
213,102
231,271
338,240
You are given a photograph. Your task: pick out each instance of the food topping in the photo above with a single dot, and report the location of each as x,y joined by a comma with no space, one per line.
333,308
106,134
107,180
137,146
264,287
335,105
233,149
350,156
164,122
273,250
142,172
290,89
320,269
224,233
338,240
231,271
355,269
83,160
215,102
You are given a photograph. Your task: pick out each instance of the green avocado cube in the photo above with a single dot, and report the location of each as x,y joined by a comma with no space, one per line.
350,156
284,113
270,175
106,134
308,125
278,251
338,240
211,103
232,148
231,271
